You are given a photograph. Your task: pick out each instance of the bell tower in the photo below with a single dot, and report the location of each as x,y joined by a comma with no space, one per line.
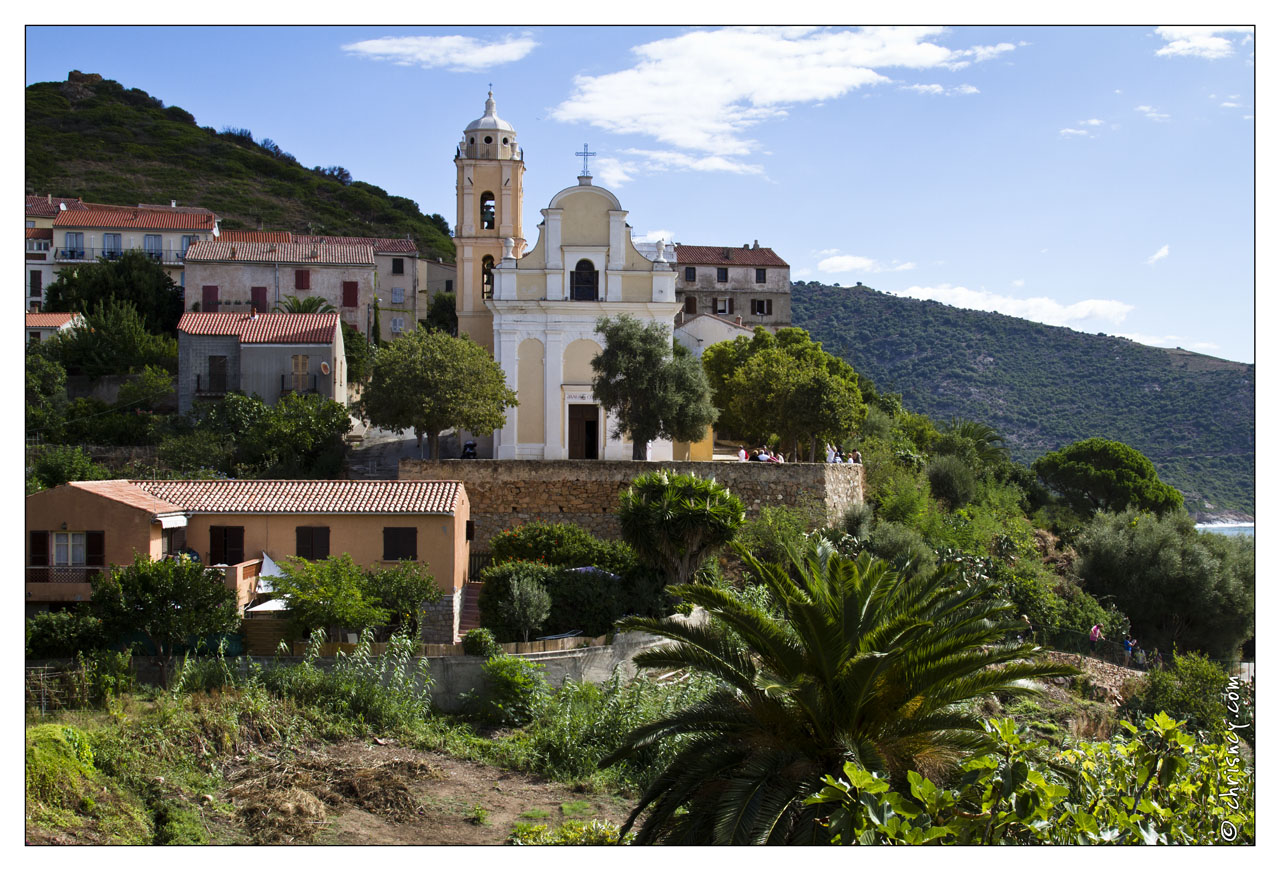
490,203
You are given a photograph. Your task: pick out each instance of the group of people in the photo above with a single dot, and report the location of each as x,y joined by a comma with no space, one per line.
1133,652
759,455
837,455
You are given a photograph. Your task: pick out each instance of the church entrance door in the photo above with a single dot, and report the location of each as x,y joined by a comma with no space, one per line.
584,432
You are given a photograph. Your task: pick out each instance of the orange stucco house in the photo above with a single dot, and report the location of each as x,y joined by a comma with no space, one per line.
79,529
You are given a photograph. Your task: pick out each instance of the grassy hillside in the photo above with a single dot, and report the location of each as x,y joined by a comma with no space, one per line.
1044,387
91,137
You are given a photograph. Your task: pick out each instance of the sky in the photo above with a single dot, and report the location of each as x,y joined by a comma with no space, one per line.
1094,177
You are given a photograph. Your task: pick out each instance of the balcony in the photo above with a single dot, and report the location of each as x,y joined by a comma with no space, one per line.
297,384
211,385
88,254
60,583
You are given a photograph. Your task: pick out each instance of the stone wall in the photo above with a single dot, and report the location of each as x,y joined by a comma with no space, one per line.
505,493
440,620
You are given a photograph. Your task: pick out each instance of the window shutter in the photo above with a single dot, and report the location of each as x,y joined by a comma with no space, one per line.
320,542
209,297
302,279
730,305
259,295
768,306
39,548
471,530
235,544
303,546
350,294
95,548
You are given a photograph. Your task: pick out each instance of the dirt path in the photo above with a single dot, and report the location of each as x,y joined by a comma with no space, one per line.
359,793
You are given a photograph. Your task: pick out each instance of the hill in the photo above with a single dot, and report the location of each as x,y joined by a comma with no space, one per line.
91,137
1044,387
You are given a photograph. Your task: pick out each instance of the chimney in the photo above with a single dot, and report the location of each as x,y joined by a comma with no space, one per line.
745,246
50,196
756,245
738,320
233,252
726,254
173,204
253,313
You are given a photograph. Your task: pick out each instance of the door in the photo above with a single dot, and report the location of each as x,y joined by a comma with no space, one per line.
584,432
259,295
209,298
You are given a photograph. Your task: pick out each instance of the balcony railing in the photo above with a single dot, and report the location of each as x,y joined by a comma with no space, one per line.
62,574
171,255
211,386
297,384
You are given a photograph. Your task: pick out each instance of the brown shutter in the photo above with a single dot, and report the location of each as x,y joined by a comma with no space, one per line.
303,546
302,279
350,294
730,305
39,548
259,295
235,545
209,298
95,548
320,542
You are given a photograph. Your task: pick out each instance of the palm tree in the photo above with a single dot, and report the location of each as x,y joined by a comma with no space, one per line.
987,442
309,305
857,663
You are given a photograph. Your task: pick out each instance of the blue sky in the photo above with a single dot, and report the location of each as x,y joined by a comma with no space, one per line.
1100,178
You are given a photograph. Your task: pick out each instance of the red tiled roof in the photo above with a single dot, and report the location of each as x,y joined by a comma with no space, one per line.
112,217
46,207
281,252
37,320
255,236
127,493
39,232
692,255
276,328
184,210
380,246
307,497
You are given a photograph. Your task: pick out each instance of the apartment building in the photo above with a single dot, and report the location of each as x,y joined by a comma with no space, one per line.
751,283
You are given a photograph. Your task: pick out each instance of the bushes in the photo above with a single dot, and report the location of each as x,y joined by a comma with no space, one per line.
574,833
770,533
951,479
561,544
57,634
514,690
857,520
480,642
1191,689
498,611
58,464
901,545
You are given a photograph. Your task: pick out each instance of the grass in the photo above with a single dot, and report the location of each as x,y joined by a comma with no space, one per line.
536,813
574,810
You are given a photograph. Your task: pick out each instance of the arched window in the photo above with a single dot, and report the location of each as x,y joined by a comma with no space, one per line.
584,281
486,277
486,210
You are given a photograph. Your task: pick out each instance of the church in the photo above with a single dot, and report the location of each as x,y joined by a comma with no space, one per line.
535,310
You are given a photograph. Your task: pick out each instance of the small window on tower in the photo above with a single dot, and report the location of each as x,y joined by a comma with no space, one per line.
488,140
486,211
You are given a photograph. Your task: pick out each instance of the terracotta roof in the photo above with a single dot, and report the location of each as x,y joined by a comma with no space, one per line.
127,493
693,255
307,497
39,232
380,246
281,252
255,236
184,210
276,328
125,218
46,207
36,320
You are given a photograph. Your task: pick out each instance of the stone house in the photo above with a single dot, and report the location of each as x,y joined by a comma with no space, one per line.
750,283
80,529
264,354
164,233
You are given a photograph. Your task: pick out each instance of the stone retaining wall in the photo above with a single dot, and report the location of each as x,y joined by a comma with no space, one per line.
505,493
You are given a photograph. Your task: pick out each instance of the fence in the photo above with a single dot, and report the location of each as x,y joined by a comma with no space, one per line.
1108,650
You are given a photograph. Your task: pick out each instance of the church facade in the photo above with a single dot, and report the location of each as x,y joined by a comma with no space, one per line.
536,310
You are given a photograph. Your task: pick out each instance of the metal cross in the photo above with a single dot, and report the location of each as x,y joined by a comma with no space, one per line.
584,154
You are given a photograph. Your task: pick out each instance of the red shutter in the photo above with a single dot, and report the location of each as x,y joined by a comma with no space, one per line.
209,298
302,279
259,295
350,294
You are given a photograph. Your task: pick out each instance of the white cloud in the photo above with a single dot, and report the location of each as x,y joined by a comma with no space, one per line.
1202,42
925,89
1159,255
460,54
669,160
1069,131
1170,342
938,90
654,236
722,83
978,53
1041,308
1092,122
1018,282
613,172
827,252
842,263
801,273
1152,113
1229,105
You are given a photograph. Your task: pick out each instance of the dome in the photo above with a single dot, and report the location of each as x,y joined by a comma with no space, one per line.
490,120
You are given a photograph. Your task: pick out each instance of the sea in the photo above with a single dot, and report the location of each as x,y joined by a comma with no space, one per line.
1227,528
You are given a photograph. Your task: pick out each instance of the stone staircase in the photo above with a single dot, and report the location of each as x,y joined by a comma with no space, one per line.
469,618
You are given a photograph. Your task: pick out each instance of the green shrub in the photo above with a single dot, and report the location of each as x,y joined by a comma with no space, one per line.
57,634
573,833
770,533
512,693
58,464
1191,689
903,498
857,520
560,544
901,545
592,601
189,452
951,479
496,596
480,642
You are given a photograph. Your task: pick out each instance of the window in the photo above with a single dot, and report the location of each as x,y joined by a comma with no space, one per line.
691,305
302,279
397,295
111,246
722,274
68,549
313,542
217,375
448,285
184,245
350,294
724,305
486,211
762,307
584,281
153,245
397,325
691,273
759,276
33,337
397,266
209,297
259,297
37,283
486,277
226,545
75,246
399,542
301,368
